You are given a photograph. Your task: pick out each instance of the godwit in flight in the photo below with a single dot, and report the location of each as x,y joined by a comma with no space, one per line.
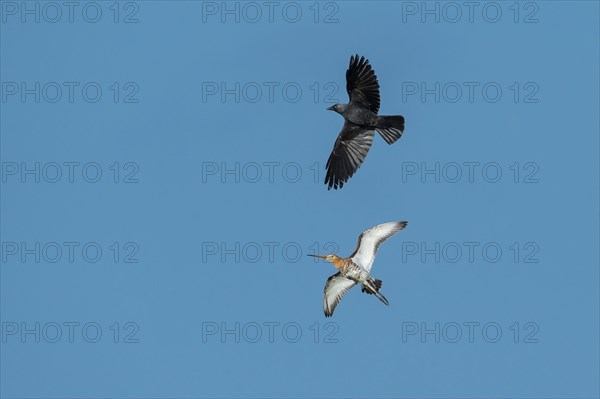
356,269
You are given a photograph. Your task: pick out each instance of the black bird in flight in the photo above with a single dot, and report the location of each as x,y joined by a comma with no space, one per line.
361,121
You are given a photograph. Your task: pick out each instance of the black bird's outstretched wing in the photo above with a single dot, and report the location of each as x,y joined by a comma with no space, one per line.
361,84
349,152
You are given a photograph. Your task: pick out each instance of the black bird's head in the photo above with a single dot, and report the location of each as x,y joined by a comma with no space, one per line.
339,108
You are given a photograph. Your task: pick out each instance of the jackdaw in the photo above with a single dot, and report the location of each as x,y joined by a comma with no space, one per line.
361,121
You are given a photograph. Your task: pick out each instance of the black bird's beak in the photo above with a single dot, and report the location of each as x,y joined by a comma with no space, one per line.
330,108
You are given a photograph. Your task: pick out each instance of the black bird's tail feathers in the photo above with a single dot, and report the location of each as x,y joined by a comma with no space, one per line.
390,127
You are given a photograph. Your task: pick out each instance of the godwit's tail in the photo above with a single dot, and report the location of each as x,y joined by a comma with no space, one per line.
374,290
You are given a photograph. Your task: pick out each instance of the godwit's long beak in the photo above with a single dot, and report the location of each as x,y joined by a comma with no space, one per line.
318,256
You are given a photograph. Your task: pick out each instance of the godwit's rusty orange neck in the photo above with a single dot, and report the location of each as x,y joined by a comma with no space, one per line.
338,262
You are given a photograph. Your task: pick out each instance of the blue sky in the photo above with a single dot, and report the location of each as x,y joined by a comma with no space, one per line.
162,168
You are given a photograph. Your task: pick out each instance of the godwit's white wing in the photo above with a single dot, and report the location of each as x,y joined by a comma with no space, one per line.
370,240
335,288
